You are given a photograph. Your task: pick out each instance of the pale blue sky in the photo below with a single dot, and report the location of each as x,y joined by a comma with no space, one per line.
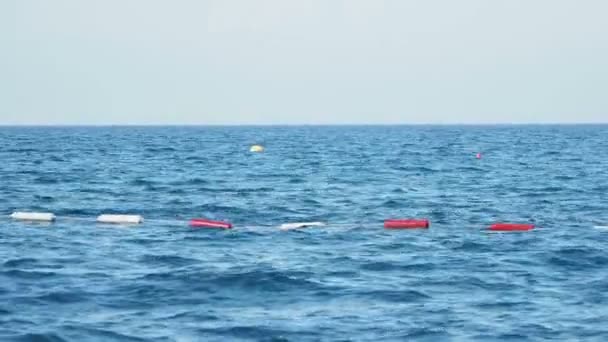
303,62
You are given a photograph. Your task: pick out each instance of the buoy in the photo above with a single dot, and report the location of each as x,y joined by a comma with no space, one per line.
511,227
47,217
120,219
256,148
406,223
297,225
478,156
204,223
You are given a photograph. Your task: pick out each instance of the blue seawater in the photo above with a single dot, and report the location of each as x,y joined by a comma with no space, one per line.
75,280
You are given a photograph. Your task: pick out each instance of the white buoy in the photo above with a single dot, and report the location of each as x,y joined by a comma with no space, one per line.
256,148
47,217
297,225
120,219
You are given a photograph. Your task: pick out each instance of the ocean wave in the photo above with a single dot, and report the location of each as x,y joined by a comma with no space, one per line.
76,280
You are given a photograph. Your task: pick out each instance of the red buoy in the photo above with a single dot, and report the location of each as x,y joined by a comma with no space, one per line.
511,227
204,223
406,224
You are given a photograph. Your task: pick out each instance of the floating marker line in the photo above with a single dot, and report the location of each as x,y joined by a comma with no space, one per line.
121,219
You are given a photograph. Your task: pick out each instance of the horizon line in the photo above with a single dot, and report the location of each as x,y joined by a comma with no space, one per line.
295,124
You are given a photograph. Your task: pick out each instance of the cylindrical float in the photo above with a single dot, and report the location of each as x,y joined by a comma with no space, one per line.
511,227
406,224
25,216
120,219
205,223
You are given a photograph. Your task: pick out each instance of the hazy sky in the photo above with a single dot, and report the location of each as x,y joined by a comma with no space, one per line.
308,61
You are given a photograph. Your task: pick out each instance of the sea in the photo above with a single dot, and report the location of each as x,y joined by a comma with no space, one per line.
350,280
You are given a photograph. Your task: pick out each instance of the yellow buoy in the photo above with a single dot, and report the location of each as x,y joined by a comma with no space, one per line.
256,148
